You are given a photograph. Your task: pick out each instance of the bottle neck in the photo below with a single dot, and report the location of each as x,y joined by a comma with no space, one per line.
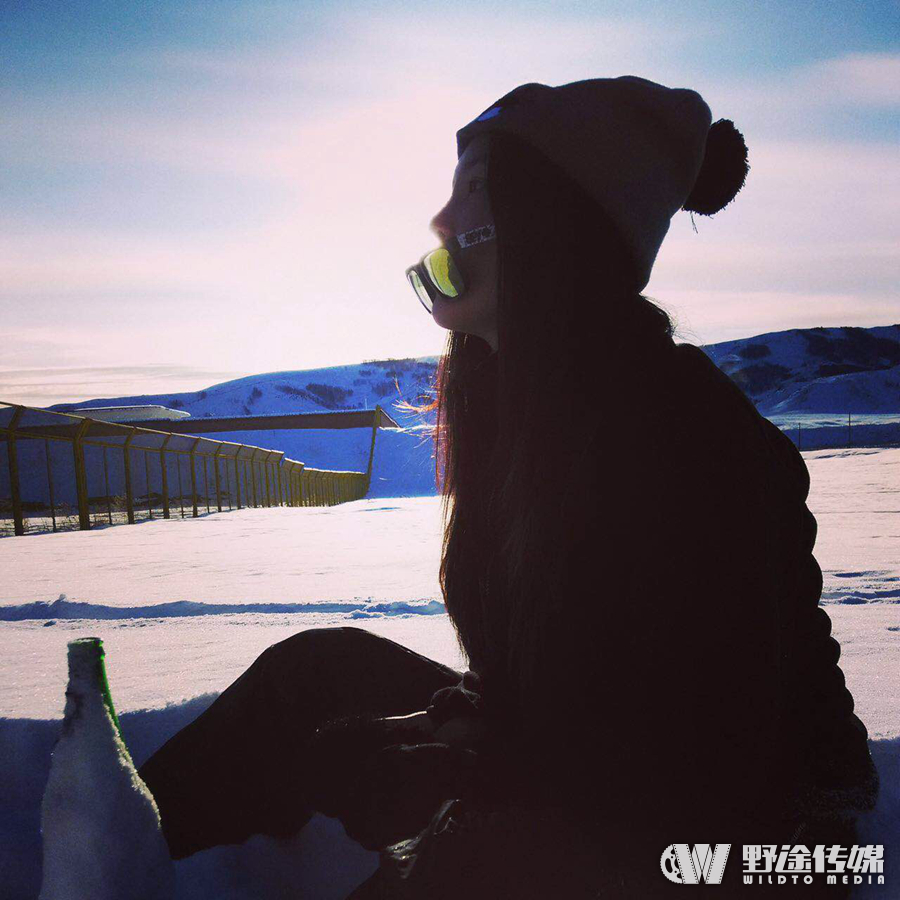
87,677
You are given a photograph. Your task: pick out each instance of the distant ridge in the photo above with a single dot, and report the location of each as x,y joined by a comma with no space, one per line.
824,370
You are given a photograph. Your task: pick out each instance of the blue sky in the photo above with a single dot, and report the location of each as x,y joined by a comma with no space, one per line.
196,191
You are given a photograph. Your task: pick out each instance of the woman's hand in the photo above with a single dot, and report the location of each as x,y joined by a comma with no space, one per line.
399,788
385,777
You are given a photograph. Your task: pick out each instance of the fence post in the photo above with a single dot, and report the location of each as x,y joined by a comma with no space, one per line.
218,481
106,484
253,477
180,483
13,459
206,480
376,416
267,470
147,479
237,481
192,453
849,442
228,486
50,482
129,491
276,479
164,475
280,486
84,512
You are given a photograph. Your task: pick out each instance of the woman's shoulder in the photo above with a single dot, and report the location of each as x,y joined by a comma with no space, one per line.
695,448
686,407
718,401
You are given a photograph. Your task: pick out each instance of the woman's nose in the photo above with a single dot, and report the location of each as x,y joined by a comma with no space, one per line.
441,224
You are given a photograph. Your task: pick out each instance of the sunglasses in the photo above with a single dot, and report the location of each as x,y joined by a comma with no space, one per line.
437,274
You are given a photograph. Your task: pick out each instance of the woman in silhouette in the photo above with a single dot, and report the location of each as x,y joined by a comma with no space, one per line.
627,562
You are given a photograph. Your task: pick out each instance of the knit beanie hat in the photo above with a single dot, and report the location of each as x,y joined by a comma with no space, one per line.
643,151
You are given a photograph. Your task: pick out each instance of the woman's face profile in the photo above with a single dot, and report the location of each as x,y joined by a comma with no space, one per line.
475,310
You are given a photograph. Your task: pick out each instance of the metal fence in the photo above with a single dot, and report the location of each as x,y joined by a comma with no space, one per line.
817,431
65,472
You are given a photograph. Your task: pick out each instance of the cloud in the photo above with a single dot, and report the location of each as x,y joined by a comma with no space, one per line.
706,316
361,56
46,386
810,240
246,110
830,98
872,79
354,131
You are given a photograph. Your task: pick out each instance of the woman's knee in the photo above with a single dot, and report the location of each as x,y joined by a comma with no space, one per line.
315,651
345,668
316,641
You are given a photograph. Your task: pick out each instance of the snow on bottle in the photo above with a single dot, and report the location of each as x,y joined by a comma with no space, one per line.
99,822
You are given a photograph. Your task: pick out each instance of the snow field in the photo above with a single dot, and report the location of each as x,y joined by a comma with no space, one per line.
372,563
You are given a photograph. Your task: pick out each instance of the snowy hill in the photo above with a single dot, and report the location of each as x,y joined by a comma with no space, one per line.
799,377
822,370
358,386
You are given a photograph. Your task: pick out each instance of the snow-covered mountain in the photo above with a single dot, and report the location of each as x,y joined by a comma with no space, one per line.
814,370
804,380
359,386
821,370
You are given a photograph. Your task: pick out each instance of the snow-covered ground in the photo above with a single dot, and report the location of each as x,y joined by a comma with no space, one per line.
184,606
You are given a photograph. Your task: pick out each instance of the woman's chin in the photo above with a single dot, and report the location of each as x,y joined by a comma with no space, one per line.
457,315
449,315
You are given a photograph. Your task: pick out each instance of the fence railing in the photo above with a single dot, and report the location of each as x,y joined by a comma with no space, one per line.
816,431
64,472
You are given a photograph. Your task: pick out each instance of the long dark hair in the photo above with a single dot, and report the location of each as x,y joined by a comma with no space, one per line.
576,350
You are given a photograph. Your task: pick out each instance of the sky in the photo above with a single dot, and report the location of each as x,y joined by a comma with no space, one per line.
193,192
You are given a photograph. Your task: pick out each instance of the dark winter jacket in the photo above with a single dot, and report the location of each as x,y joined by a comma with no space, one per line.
690,684
692,671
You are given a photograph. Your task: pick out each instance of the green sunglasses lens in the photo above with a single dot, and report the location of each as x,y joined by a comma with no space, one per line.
443,272
420,289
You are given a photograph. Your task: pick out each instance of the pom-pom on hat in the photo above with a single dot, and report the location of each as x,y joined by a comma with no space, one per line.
643,151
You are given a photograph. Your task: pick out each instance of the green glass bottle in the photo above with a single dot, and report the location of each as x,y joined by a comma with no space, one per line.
100,825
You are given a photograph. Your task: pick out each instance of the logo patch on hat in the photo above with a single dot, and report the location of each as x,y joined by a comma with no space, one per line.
493,111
